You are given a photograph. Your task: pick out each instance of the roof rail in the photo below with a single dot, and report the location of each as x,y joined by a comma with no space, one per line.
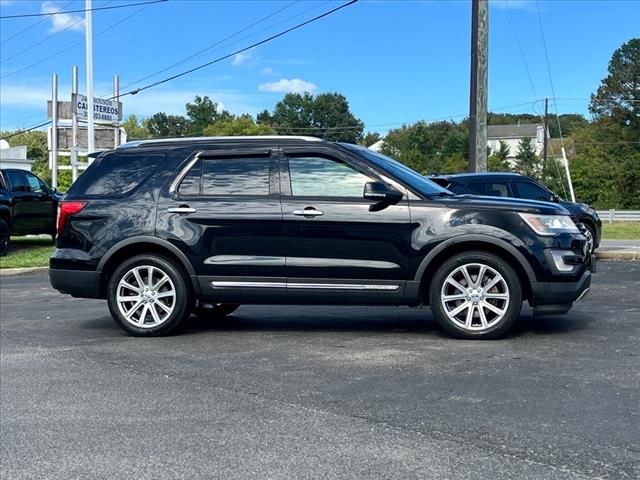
152,141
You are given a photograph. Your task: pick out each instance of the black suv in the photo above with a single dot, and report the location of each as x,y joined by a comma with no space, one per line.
164,228
498,184
27,206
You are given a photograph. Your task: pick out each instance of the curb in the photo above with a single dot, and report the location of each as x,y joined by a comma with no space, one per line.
618,254
10,272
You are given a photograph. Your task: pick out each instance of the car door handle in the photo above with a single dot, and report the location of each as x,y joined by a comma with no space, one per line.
308,212
182,209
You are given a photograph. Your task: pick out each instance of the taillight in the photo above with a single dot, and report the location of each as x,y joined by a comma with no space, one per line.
65,210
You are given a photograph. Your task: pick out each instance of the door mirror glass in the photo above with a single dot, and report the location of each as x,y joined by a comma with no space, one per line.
381,192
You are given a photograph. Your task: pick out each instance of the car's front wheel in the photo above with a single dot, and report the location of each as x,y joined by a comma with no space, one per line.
476,295
148,295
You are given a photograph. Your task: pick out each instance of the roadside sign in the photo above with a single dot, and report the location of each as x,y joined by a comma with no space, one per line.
103,110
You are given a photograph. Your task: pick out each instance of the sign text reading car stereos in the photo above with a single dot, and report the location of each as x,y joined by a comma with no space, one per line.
103,110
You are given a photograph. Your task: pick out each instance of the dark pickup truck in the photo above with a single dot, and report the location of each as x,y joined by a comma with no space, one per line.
27,206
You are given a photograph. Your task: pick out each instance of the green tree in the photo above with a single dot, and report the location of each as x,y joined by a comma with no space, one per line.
201,113
497,161
438,147
326,116
241,125
37,150
161,125
617,100
135,129
527,162
369,139
264,118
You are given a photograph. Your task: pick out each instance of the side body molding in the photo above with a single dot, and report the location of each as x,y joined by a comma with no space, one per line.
480,238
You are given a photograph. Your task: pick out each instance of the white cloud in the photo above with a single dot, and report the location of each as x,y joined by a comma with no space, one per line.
242,57
286,85
267,71
28,97
62,21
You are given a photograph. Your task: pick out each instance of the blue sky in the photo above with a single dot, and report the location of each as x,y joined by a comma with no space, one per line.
395,61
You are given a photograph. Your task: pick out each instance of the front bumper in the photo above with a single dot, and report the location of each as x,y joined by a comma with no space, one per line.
558,297
77,283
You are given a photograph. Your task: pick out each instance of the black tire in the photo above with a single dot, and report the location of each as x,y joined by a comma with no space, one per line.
482,322
4,238
181,301
215,311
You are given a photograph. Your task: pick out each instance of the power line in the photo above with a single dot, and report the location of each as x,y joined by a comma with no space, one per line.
60,52
524,58
5,17
256,44
47,38
31,26
546,55
26,130
202,51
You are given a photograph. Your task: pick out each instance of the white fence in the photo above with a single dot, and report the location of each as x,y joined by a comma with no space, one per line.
619,215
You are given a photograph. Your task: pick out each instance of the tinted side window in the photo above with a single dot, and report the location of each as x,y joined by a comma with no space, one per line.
476,188
116,174
323,177
18,181
532,191
236,176
497,189
190,184
35,183
227,176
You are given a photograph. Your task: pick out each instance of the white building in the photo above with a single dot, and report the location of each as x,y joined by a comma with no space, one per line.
511,136
14,157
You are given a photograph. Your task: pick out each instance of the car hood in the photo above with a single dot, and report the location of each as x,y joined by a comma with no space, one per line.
576,208
505,203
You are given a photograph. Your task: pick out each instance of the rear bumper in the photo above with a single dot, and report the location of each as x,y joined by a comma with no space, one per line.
553,297
77,283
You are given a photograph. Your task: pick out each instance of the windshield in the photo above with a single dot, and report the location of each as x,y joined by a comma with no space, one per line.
406,175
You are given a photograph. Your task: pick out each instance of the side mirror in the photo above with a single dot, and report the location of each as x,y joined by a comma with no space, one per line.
381,193
555,198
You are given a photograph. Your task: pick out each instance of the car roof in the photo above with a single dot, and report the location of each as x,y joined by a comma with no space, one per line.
471,175
185,141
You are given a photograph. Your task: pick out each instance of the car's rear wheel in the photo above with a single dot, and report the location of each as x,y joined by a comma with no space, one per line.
4,238
476,295
215,310
148,295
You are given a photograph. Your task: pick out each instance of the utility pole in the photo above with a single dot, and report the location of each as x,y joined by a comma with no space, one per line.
116,97
546,126
479,83
74,124
89,47
54,130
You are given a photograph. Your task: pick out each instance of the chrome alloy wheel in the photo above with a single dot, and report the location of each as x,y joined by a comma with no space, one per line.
590,240
146,296
475,297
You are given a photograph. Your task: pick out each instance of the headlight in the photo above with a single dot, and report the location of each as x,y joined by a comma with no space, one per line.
549,224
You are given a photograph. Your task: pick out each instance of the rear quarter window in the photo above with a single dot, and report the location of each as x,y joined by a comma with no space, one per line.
116,174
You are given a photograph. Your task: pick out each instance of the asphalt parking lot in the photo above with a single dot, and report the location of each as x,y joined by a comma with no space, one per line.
319,392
